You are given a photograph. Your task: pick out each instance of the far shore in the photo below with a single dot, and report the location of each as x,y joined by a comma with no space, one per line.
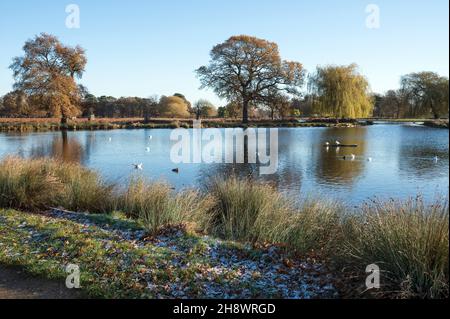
54,124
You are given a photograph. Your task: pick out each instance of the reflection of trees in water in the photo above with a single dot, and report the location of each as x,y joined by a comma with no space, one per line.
61,147
283,178
330,165
89,145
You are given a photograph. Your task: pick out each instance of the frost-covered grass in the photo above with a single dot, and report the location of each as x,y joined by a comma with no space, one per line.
118,260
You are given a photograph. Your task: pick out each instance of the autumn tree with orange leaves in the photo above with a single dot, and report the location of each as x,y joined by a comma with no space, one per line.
46,73
250,70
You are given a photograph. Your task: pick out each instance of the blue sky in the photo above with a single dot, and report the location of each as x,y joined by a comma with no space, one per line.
147,47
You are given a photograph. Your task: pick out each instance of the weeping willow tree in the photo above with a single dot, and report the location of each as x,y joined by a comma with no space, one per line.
341,92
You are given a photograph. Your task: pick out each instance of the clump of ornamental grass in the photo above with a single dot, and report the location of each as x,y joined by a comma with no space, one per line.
84,189
39,184
315,225
242,209
29,185
246,210
157,206
409,241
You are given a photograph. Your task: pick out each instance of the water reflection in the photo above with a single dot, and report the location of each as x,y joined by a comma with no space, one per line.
332,167
62,148
403,159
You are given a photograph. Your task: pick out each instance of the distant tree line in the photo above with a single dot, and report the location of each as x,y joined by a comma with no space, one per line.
423,94
245,71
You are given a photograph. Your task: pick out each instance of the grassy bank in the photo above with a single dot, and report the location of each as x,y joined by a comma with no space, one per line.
41,124
408,240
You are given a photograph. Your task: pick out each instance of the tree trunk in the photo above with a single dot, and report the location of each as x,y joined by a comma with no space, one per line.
64,120
434,111
245,112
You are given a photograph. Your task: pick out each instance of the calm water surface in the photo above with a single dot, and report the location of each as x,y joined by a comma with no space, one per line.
402,165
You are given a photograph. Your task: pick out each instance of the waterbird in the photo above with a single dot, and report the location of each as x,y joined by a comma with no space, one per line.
150,137
353,157
327,144
436,159
338,143
110,139
138,166
176,170
147,149
369,159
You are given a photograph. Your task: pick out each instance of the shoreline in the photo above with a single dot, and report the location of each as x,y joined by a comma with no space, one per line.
46,125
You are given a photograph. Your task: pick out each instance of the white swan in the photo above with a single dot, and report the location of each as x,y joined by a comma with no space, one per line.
147,149
369,159
353,157
327,143
436,159
338,143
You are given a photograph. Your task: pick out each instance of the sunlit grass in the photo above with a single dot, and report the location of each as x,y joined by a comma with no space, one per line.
157,206
41,183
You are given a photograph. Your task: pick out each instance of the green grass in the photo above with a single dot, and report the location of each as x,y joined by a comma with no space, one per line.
110,266
408,240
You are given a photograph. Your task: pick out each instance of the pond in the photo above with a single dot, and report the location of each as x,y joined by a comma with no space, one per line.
391,161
